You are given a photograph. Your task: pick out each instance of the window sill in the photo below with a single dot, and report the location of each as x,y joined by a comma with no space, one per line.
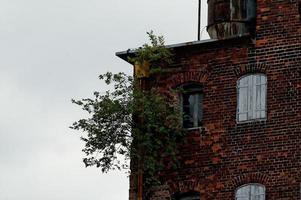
252,121
199,128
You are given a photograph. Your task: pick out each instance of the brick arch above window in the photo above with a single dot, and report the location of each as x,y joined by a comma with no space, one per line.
243,69
183,186
244,179
181,78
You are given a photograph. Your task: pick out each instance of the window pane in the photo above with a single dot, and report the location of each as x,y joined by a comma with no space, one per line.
190,198
186,111
192,103
192,109
200,108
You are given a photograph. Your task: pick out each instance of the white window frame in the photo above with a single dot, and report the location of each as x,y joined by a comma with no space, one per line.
250,194
251,89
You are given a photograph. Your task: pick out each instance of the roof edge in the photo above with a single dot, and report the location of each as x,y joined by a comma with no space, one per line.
131,52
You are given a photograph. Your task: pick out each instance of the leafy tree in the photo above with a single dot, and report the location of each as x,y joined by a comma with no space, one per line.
135,120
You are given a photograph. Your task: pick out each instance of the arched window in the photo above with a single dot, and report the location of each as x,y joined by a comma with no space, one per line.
251,93
186,196
192,105
252,191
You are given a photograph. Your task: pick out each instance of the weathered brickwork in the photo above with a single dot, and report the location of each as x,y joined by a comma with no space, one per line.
224,154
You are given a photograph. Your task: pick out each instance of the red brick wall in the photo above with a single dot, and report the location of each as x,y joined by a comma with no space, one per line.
224,154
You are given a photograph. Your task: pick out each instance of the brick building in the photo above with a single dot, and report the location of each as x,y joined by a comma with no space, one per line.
243,105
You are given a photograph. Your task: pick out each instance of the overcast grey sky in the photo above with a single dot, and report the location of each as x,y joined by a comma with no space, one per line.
52,51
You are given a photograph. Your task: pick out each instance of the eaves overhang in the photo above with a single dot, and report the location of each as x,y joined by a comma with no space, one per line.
200,44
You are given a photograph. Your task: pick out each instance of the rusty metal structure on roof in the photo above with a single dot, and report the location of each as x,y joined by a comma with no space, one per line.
228,18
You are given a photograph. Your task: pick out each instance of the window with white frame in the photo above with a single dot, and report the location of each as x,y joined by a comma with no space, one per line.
192,100
251,92
250,192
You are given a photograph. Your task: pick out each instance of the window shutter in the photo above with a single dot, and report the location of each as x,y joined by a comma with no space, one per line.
251,192
257,192
243,90
257,96
260,107
263,96
251,97
243,193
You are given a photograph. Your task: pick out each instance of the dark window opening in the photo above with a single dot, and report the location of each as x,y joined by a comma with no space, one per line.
186,196
192,101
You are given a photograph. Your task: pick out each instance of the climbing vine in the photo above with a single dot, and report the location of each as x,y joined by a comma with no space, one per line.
134,120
